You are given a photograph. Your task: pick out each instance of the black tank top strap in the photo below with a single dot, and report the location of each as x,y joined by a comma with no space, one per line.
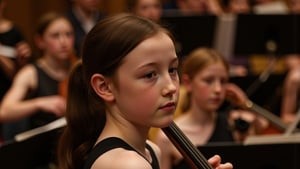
112,143
154,163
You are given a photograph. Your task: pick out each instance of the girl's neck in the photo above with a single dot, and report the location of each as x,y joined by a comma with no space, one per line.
131,134
117,126
200,116
197,125
57,69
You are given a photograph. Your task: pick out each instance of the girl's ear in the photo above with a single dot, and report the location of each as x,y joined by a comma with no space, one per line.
186,82
101,86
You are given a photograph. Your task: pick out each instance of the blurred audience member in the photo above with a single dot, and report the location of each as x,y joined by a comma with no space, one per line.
205,80
83,15
15,52
34,98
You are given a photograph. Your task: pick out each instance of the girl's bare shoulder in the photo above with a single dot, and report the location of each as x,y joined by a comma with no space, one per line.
121,158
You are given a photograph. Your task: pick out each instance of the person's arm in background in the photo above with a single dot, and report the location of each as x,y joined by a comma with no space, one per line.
290,95
14,107
237,97
23,53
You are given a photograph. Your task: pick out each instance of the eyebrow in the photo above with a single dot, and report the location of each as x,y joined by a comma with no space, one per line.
154,63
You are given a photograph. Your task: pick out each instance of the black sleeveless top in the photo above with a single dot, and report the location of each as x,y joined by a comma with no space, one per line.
47,86
112,143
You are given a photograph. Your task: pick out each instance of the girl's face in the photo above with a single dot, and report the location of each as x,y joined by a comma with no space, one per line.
57,41
149,9
207,88
146,92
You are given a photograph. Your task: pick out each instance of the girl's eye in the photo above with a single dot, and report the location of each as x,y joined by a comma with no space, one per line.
55,35
68,34
209,80
173,71
150,75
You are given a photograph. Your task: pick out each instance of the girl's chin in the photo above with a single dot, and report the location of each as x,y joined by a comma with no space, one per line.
166,122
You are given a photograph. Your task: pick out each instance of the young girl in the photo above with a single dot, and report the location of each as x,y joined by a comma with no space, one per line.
205,82
127,82
83,14
34,94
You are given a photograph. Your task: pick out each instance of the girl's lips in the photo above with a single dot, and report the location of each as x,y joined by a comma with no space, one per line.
216,100
168,107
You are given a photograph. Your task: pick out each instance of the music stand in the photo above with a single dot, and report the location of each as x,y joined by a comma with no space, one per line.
191,31
281,155
253,32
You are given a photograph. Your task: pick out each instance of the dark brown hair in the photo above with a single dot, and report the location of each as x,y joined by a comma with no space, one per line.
46,19
104,48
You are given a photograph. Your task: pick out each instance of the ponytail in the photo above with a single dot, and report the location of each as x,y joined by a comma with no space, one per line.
84,122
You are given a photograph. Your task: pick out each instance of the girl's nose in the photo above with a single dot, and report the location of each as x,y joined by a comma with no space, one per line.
170,87
218,86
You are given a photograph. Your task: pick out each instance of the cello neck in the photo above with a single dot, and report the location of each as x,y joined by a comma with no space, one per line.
190,153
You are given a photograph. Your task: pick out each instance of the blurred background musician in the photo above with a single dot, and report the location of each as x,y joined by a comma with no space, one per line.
34,100
83,14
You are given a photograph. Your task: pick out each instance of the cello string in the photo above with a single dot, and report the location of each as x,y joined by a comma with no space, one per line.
191,146
185,146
